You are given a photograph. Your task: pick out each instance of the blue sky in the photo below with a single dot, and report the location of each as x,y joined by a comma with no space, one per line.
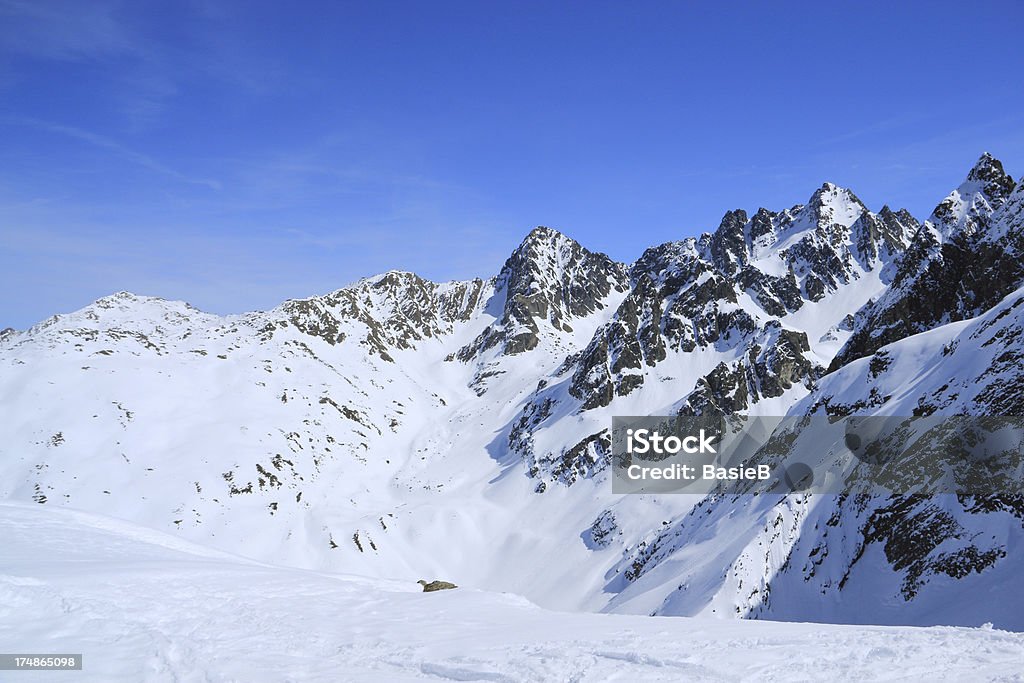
237,154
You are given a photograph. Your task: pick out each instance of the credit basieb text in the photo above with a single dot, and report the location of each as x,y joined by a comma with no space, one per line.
644,441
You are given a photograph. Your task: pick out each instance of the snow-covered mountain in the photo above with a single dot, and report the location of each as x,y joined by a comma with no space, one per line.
404,429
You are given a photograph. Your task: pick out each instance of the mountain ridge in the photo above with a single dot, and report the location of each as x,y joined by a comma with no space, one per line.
398,426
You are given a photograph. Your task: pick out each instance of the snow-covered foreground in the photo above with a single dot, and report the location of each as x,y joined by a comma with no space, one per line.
144,606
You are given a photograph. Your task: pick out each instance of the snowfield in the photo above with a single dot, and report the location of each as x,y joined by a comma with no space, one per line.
140,605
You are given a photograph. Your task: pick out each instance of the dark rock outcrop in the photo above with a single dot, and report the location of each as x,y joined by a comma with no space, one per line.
963,260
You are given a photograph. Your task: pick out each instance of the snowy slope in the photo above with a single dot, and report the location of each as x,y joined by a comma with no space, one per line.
142,605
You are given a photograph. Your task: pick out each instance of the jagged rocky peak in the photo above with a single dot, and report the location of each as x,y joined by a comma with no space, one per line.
834,205
969,208
550,278
417,299
762,230
670,265
816,243
988,173
729,247
825,221
961,261
899,225
687,295
396,309
875,237
547,259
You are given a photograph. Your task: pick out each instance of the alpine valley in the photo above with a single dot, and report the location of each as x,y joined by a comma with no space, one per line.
404,429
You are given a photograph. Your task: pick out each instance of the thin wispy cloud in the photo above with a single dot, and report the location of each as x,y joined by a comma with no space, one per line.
97,39
62,30
103,142
137,69
882,126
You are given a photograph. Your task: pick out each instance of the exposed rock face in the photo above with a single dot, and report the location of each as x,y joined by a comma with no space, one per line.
969,208
726,292
771,365
436,586
397,309
603,531
549,280
964,259
875,234
585,458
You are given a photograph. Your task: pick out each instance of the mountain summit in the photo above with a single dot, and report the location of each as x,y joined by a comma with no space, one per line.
958,264
548,282
968,208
